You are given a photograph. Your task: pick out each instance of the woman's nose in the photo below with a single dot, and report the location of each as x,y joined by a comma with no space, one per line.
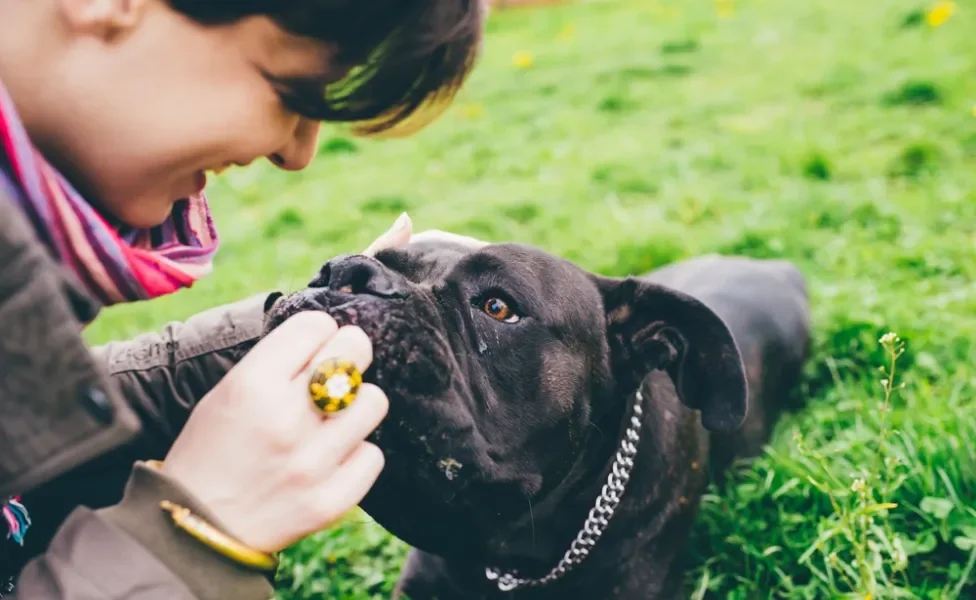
300,149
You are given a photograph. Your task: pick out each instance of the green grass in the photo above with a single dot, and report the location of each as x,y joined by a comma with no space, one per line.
837,134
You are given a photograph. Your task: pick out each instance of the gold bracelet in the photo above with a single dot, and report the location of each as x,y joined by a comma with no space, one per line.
218,540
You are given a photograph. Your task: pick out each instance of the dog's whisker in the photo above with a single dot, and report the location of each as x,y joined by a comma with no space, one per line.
531,520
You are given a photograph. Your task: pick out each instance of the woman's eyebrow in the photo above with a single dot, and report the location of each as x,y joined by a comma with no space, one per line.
321,77
306,92
308,84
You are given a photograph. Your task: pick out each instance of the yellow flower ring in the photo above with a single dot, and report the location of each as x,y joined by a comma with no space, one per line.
334,385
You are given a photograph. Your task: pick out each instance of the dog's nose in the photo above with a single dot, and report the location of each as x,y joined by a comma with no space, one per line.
358,274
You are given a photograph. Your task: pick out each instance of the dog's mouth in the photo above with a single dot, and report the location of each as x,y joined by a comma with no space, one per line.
408,352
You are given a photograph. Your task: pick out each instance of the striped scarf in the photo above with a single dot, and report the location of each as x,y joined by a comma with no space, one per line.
115,264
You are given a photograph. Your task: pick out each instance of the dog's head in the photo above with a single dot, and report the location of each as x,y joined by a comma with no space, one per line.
497,361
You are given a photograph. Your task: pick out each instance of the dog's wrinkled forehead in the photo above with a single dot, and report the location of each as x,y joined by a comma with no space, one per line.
541,281
426,262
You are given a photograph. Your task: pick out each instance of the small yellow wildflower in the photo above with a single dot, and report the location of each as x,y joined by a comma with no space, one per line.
523,59
889,338
568,32
940,13
724,8
472,111
332,558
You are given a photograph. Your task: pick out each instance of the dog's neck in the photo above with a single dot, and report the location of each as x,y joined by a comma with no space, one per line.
649,504
557,520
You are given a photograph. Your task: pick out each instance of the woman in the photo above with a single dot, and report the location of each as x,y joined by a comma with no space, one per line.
112,112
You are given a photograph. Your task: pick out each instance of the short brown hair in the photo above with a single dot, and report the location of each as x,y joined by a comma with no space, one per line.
407,59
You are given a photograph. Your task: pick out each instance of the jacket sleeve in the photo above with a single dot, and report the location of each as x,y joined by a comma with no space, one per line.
164,374
131,550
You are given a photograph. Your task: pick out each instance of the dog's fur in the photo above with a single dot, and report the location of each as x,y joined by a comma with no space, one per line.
500,435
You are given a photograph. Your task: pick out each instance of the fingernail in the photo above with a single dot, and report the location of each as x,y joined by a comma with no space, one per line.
401,223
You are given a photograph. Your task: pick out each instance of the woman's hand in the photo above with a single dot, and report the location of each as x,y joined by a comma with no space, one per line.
256,452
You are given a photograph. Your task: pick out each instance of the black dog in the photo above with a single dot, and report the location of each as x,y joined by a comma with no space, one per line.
522,389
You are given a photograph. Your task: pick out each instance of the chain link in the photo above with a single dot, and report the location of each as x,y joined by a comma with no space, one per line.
598,518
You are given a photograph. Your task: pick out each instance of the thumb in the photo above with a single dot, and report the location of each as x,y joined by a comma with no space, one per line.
395,237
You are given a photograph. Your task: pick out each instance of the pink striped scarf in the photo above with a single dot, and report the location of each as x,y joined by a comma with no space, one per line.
114,265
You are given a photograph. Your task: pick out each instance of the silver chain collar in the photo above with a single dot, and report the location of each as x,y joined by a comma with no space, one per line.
599,517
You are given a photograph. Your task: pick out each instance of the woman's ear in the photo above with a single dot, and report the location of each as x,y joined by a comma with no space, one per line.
653,327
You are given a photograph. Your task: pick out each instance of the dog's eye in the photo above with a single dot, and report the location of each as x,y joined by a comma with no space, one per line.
498,309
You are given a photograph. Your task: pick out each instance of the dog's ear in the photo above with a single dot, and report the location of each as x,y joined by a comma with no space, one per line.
650,327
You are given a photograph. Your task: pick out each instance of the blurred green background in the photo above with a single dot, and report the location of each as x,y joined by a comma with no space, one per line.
626,134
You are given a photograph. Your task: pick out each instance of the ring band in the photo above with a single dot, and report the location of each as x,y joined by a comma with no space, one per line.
334,385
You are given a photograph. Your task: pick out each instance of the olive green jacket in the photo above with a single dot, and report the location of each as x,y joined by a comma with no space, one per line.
63,404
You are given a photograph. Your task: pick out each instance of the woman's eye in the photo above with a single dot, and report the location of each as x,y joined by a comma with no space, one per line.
498,309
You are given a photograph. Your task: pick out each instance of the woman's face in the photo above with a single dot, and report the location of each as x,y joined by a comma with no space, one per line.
139,103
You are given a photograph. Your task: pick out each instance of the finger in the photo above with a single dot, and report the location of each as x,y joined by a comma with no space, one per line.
350,483
343,432
288,348
349,343
324,447
396,237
